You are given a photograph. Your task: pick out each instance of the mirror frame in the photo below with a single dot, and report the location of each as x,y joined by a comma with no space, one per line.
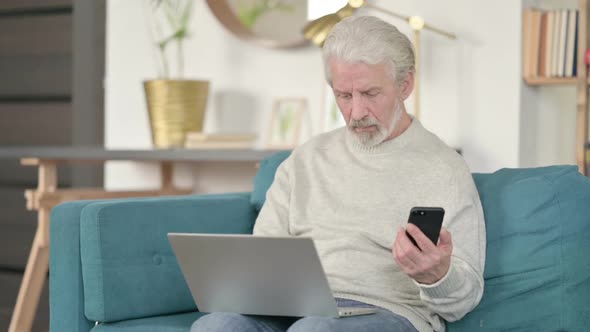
226,17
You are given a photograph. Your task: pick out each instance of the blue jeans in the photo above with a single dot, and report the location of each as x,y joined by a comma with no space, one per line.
382,321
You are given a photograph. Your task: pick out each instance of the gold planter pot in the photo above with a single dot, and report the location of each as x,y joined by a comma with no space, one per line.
175,107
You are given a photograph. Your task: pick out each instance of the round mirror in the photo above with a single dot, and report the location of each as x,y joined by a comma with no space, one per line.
270,23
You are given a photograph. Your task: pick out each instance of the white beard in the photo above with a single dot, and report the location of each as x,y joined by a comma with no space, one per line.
370,139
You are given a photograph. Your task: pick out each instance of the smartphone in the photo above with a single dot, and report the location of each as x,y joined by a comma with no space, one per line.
429,220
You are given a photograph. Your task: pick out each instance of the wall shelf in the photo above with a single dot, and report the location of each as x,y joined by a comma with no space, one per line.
539,81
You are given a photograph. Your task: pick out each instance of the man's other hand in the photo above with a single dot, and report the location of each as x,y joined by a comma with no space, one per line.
428,264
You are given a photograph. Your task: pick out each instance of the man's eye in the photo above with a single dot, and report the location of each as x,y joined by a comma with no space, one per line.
344,96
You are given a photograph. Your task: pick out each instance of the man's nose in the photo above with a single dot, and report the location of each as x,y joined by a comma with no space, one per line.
359,111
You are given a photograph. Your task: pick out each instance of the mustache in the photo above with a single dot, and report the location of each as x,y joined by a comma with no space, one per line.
362,123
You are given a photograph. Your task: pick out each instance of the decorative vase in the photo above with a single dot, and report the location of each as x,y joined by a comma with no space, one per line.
175,108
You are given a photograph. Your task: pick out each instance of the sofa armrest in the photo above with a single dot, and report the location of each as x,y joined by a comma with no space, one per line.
127,265
66,292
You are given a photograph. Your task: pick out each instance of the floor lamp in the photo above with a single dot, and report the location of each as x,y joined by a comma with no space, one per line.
317,30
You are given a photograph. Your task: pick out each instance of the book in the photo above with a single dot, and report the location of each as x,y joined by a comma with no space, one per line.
542,65
220,137
218,145
555,45
563,24
535,42
575,65
197,140
570,52
549,43
526,42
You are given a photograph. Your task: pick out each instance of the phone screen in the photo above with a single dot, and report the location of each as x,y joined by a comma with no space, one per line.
429,220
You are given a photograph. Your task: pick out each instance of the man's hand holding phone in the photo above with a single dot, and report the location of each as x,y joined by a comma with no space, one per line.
427,263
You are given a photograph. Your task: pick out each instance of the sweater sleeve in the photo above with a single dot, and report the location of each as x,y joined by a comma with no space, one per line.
461,289
273,219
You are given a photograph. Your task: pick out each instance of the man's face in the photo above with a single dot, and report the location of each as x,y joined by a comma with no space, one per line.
368,98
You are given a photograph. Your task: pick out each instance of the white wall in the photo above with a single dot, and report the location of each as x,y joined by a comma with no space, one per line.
548,126
470,87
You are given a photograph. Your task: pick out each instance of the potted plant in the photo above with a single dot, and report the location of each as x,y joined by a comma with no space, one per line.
175,105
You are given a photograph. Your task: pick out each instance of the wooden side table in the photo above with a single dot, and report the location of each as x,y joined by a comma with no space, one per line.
47,195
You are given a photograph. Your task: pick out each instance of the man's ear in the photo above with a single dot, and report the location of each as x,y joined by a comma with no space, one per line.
407,86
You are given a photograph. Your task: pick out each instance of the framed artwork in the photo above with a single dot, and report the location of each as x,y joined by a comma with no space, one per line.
285,123
330,113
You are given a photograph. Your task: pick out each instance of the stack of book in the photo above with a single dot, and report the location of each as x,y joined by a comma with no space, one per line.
550,43
196,140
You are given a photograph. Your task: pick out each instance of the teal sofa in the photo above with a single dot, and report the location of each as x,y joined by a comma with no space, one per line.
110,261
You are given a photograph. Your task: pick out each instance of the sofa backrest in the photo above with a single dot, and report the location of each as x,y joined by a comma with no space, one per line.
537,272
128,266
265,176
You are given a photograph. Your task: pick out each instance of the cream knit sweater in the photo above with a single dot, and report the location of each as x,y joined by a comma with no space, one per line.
351,200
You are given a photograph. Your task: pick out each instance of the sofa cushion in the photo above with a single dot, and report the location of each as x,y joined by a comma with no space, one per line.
128,266
169,323
537,272
265,176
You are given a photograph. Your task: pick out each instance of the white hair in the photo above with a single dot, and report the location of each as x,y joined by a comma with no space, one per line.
369,40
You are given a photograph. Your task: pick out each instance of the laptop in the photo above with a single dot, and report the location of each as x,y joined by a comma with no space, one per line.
256,275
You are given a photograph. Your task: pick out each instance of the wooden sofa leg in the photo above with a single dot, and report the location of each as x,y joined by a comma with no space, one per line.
33,279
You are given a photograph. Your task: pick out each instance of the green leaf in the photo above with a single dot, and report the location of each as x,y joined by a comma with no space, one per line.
171,19
186,15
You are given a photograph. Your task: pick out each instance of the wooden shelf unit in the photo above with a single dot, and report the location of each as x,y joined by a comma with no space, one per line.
538,81
582,86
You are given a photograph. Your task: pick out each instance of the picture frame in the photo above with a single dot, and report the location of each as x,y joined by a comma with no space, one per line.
285,123
331,118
